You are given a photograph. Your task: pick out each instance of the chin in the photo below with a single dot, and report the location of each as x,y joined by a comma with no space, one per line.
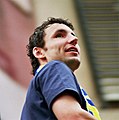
73,63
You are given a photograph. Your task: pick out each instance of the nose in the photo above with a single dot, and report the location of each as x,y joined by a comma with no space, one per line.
73,40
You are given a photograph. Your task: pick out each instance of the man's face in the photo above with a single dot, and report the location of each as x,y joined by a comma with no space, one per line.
61,44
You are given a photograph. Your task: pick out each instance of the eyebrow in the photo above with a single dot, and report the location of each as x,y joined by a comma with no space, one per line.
60,30
63,30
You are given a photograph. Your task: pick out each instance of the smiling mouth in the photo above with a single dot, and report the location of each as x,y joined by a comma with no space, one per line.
72,49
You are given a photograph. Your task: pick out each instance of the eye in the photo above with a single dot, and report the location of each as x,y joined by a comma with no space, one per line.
59,35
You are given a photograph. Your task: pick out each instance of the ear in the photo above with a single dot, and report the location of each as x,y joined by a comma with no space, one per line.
38,52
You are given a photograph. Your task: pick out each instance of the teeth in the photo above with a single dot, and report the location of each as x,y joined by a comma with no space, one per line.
71,50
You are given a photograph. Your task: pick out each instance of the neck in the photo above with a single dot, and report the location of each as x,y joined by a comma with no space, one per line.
73,65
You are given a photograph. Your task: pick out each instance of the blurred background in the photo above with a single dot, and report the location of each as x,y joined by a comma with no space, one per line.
96,24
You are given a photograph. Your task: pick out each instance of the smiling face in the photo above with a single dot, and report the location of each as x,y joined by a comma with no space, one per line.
61,44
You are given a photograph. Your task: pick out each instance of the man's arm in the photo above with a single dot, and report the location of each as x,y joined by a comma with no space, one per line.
66,107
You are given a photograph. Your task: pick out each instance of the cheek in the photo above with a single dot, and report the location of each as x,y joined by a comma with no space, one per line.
56,46
52,50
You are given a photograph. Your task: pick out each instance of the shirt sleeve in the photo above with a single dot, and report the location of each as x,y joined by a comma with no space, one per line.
56,79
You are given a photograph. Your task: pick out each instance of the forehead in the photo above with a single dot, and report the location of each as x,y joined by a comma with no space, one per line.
55,27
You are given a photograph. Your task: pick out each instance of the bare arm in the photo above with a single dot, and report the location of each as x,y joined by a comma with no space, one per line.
66,107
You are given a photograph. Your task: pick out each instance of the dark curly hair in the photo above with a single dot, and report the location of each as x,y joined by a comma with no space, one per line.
37,39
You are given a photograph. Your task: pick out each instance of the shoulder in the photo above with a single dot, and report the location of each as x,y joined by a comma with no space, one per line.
55,69
56,65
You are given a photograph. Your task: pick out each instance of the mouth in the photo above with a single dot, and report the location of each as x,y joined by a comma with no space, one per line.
72,49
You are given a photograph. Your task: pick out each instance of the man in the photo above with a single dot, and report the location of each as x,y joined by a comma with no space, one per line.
54,92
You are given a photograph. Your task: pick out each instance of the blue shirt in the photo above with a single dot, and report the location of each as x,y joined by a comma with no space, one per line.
48,83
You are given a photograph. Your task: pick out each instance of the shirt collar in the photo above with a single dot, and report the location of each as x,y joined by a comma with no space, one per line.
39,68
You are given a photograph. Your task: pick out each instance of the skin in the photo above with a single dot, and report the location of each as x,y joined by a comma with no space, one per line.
61,44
